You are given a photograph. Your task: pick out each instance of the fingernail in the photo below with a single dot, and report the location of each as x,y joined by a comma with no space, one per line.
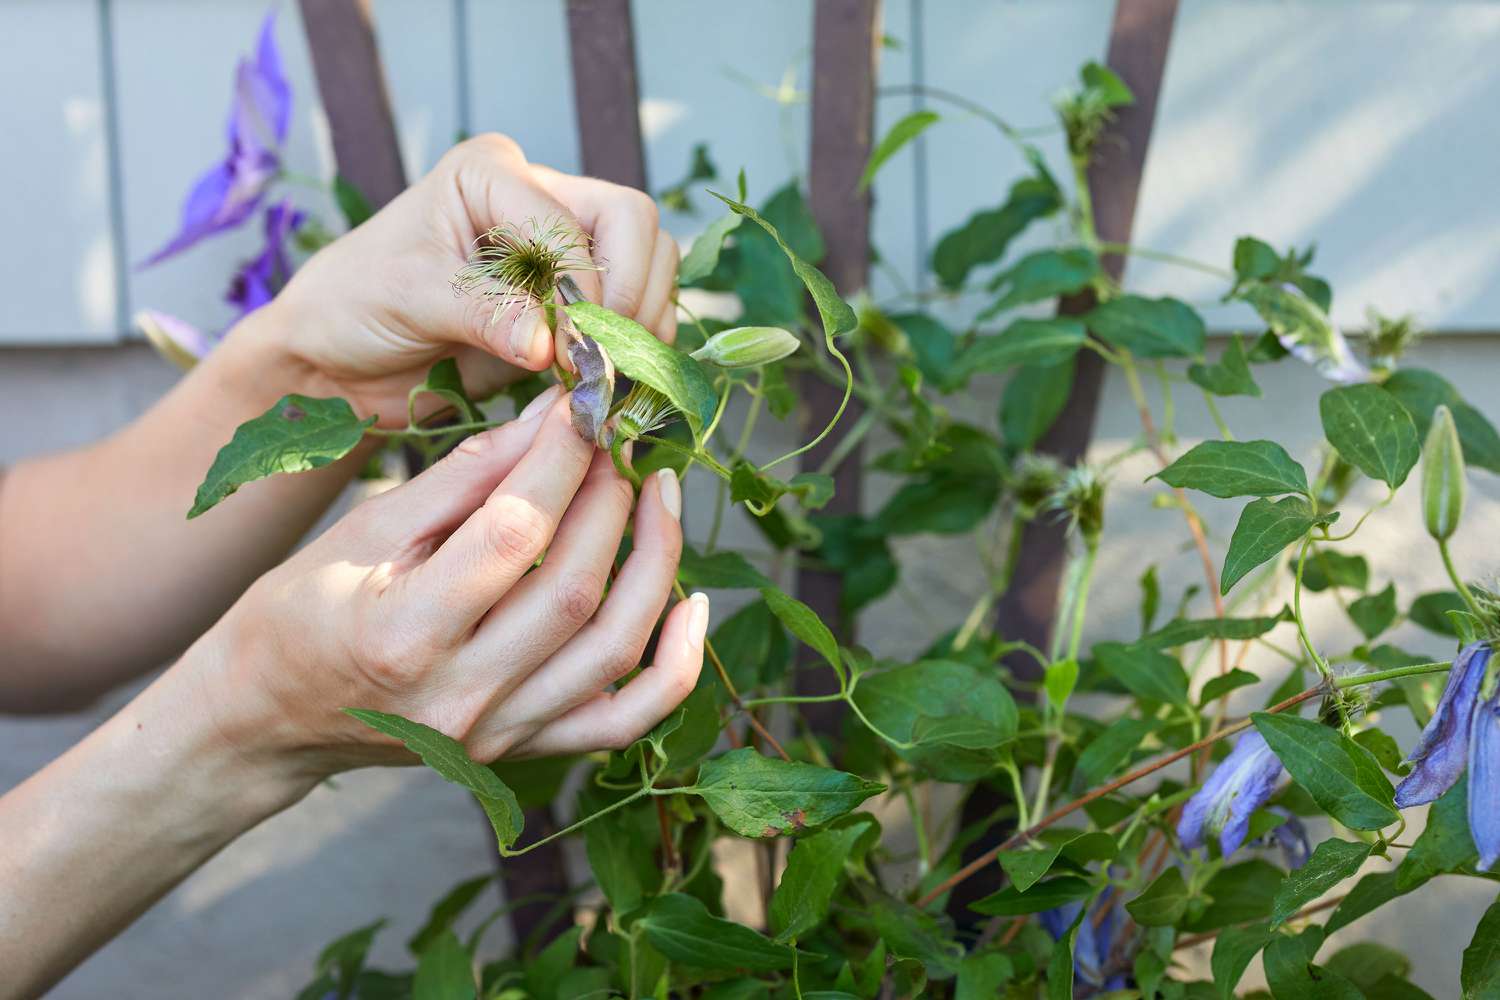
671,493
697,618
537,406
523,335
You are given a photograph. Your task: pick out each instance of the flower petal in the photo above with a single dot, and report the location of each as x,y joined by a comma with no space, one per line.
1238,786
176,340
1484,782
595,389
1443,750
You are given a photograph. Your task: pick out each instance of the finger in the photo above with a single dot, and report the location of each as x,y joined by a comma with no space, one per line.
497,188
665,327
610,646
502,539
623,222
438,499
616,719
558,598
660,283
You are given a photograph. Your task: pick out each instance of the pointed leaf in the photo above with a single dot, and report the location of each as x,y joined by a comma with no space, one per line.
637,354
1371,430
1332,862
1338,773
681,928
903,132
1149,328
759,796
1237,469
1264,529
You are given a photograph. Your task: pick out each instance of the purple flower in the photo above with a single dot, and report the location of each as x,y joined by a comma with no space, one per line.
258,280
1484,782
1291,837
1239,786
1099,947
228,193
1444,748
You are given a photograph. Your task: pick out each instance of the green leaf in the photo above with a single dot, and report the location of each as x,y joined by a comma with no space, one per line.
341,961
836,314
1033,400
353,205
1106,85
444,382
1338,773
637,354
718,571
1332,862
903,132
1480,974
804,623
1383,748
983,975
1227,469
1431,611
1291,974
1023,342
759,796
1371,431
296,434
447,910
1059,681
984,237
1326,568
1369,966
1234,949
1054,892
1026,866
1421,392
703,256
937,705
916,934
1060,971
1255,260
448,758
1230,376
814,871
1045,274
548,970
1374,613
932,344
1184,630
445,971
1445,844
1163,903
681,928
1264,529
1369,894
623,856
753,646
1149,328
1221,685
1237,894
1146,673
1109,750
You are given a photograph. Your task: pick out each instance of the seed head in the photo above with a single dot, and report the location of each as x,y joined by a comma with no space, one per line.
522,264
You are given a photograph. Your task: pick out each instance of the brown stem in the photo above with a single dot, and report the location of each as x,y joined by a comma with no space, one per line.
1307,911
1098,793
668,849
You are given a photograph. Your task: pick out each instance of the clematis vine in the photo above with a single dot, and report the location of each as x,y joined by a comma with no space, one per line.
1306,332
1103,942
230,192
1464,730
1240,785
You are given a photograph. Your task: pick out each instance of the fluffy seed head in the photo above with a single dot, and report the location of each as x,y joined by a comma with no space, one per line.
522,264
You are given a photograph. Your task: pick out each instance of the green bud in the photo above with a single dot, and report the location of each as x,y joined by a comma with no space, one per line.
1442,477
747,347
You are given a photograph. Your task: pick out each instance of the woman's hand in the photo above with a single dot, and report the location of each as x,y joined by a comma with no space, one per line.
424,602
370,313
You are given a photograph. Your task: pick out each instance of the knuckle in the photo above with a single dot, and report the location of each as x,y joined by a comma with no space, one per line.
618,657
577,596
643,205
618,735
490,146
516,530
393,655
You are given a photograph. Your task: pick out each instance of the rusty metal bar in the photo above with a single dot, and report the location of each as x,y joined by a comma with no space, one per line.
351,82
846,39
606,96
1139,39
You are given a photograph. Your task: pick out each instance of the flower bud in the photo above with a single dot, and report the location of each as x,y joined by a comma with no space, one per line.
747,347
1442,476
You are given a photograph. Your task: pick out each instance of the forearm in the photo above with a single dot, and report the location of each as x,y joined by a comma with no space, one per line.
101,575
104,831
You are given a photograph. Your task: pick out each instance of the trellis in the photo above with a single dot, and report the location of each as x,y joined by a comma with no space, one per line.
846,34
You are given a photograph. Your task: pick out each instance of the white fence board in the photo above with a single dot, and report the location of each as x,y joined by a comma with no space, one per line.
519,77
57,261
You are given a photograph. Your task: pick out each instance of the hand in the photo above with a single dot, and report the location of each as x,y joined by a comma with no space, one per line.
371,312
423,602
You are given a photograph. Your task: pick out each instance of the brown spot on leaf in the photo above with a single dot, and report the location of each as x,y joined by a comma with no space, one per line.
292,411
796,817
770,831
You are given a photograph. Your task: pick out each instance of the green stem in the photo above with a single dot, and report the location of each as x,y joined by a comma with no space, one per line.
1130,250
621,466
1395,673
792,699
837,414
1458,583
850,441
1307,644
713,424
635,796
1218,418
702,457
919,827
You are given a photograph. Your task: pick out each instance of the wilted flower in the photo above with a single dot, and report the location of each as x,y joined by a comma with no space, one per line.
748,347
1101,943
1305,330
1239,786
1444,748
260,278
226,195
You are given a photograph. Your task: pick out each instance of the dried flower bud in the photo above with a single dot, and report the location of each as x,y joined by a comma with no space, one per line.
1442,477
1081,497
747,347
